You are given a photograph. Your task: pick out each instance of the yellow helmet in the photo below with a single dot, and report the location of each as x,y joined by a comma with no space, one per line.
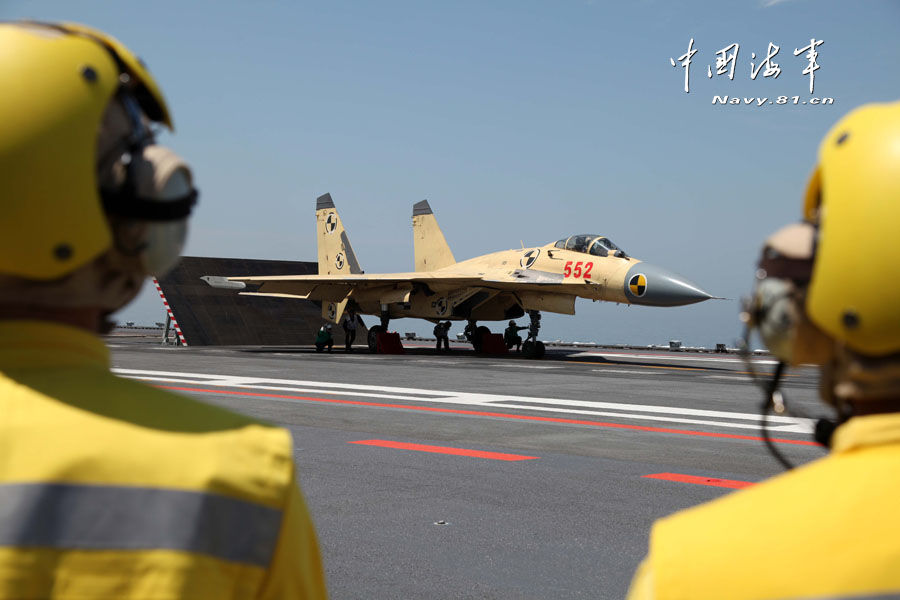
57,82
853,197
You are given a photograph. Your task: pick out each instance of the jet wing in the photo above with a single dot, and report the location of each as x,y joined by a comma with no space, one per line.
334,288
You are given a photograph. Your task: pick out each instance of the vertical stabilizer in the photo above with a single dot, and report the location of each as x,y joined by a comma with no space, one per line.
336,256
430,247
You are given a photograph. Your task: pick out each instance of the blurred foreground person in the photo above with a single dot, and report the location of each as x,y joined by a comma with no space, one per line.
826,293
110,488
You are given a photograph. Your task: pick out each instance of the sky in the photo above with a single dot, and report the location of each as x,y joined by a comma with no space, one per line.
520,122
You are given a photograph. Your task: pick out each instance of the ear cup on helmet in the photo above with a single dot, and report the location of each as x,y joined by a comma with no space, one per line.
778,304
165,239
152,212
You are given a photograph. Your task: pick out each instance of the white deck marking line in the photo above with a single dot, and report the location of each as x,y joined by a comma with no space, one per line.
299,390
745,378
522,366
795,428
658,358
583,407
434,361
628,371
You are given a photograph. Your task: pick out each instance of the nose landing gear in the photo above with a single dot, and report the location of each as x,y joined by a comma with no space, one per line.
532,347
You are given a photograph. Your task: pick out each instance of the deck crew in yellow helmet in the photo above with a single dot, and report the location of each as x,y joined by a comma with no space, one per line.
826,293
109,488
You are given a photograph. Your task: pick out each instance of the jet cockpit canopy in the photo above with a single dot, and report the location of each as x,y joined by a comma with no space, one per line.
591,243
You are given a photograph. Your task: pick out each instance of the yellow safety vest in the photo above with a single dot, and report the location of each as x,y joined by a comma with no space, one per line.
113,489
829,529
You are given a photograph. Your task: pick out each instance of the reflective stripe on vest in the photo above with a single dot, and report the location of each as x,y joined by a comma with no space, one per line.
885,596
100,517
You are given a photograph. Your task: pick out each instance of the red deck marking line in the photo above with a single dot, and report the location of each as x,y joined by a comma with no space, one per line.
477,413
725,483
444,450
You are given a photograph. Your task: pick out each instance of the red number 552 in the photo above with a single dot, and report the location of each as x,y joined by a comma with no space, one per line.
577,270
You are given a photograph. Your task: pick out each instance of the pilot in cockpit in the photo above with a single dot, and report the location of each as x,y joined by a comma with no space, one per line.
591,244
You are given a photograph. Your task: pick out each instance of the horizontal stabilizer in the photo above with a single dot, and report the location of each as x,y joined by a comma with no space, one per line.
223,283
272,295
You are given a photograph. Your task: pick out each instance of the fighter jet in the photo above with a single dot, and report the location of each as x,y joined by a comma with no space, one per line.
493,287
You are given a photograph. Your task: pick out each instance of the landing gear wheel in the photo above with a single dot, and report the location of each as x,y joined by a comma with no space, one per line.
477,339
373,337
532,349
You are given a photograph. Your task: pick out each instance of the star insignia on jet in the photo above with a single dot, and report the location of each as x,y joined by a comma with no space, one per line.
339,261
330,222
529,257
440,305
638,284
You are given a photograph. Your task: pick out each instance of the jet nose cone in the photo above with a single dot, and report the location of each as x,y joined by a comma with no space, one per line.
655,286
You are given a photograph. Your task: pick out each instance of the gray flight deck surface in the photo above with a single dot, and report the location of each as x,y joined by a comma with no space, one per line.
570,523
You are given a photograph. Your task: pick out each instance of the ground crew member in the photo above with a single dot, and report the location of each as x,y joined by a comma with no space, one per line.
825,294
324,338
110,488
349,325
469,331
441,334
511,336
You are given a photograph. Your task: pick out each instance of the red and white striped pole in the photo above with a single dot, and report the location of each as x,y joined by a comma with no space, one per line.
170,313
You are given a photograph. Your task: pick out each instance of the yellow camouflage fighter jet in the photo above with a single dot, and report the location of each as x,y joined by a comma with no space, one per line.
494,287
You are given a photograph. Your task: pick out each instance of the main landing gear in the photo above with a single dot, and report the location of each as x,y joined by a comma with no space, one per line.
374,330
532,347
475,335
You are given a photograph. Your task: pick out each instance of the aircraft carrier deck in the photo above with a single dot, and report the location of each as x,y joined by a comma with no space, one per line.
464,476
